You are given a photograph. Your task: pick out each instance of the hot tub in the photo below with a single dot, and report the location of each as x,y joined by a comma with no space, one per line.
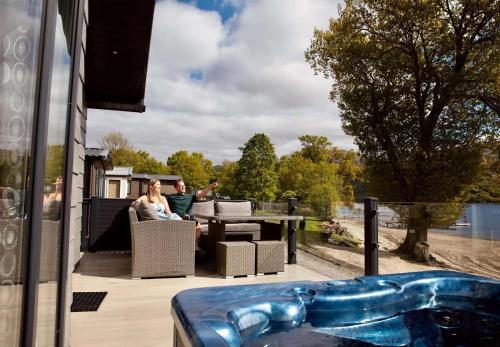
435,308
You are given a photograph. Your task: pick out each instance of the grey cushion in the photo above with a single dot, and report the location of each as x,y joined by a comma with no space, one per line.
205,208
233,208
243,227
146,211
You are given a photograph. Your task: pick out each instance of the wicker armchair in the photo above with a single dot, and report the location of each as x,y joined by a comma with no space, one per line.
162,248
51,250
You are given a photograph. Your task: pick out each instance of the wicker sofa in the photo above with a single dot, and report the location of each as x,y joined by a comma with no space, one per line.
162,248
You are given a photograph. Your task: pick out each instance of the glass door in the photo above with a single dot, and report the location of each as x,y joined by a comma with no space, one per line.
52,215
19,34
34,109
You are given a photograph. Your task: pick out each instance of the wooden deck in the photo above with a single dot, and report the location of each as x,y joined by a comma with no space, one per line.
137,312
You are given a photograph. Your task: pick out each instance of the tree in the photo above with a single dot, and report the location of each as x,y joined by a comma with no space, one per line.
487,187
417,83
293,171
54,163
194,169
255,176
114,141
225,177
123,154
323,198
145,163
318,163
124,157
315,148
350,172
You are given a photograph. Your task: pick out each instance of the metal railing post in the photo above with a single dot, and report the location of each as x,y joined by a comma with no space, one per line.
371,236
292,232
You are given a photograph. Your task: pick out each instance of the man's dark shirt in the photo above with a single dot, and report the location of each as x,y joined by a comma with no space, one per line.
181,204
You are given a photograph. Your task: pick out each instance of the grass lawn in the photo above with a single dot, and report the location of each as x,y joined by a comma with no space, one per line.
313,224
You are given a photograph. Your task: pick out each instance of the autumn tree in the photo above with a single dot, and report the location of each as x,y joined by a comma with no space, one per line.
314,148
195,170
123,154
114,140
255,175
350,172
417,84
318,162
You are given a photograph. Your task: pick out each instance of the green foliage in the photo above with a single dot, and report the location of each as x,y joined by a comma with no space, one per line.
255,175
322,198
318,163
315,148
417,86
140,161
437,215
145,163
342,240
123,157
293,172
350,172
195,170
54,163
123,154
487,186
225,177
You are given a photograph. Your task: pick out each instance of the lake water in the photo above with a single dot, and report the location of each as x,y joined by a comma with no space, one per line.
483,219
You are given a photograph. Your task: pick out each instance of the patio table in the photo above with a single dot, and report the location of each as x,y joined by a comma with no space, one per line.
270,231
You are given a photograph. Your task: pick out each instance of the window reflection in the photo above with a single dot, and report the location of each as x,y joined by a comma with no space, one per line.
52,200
53,181
19,32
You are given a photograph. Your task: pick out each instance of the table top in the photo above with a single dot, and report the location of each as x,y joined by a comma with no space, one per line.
249,218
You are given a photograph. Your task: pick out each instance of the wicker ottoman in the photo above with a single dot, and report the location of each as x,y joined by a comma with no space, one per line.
235,259
269,256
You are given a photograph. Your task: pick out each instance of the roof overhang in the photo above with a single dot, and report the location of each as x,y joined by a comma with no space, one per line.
116,60
100,154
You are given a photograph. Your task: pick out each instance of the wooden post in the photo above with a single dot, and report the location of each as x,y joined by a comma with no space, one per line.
371,236
292,234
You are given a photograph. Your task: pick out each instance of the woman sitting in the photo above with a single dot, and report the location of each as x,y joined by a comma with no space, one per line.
157,201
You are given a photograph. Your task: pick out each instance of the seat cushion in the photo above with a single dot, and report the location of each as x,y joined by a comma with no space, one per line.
146,211
233,208
242,227
205,208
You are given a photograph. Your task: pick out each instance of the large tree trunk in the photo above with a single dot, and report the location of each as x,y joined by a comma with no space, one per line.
418,224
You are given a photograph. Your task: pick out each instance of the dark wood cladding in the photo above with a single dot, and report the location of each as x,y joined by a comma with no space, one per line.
118,41
109,227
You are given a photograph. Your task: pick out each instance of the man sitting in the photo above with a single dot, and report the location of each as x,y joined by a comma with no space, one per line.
181,203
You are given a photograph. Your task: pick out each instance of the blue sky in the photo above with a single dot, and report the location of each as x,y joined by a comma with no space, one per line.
225,9
222,70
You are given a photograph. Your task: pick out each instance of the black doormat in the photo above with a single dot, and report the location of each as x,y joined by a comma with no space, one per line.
87,301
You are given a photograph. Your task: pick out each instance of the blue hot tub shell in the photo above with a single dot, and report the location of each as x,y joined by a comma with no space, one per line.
435,308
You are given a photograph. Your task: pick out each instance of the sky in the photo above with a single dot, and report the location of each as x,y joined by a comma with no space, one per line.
221,71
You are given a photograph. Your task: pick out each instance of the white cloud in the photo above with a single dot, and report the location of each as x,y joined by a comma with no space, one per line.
255,79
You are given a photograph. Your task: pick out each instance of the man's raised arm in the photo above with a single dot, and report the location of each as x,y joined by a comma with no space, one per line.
204,192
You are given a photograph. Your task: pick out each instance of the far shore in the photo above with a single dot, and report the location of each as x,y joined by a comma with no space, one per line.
452,252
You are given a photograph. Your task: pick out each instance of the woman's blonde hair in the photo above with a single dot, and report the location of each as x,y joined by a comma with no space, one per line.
150,185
